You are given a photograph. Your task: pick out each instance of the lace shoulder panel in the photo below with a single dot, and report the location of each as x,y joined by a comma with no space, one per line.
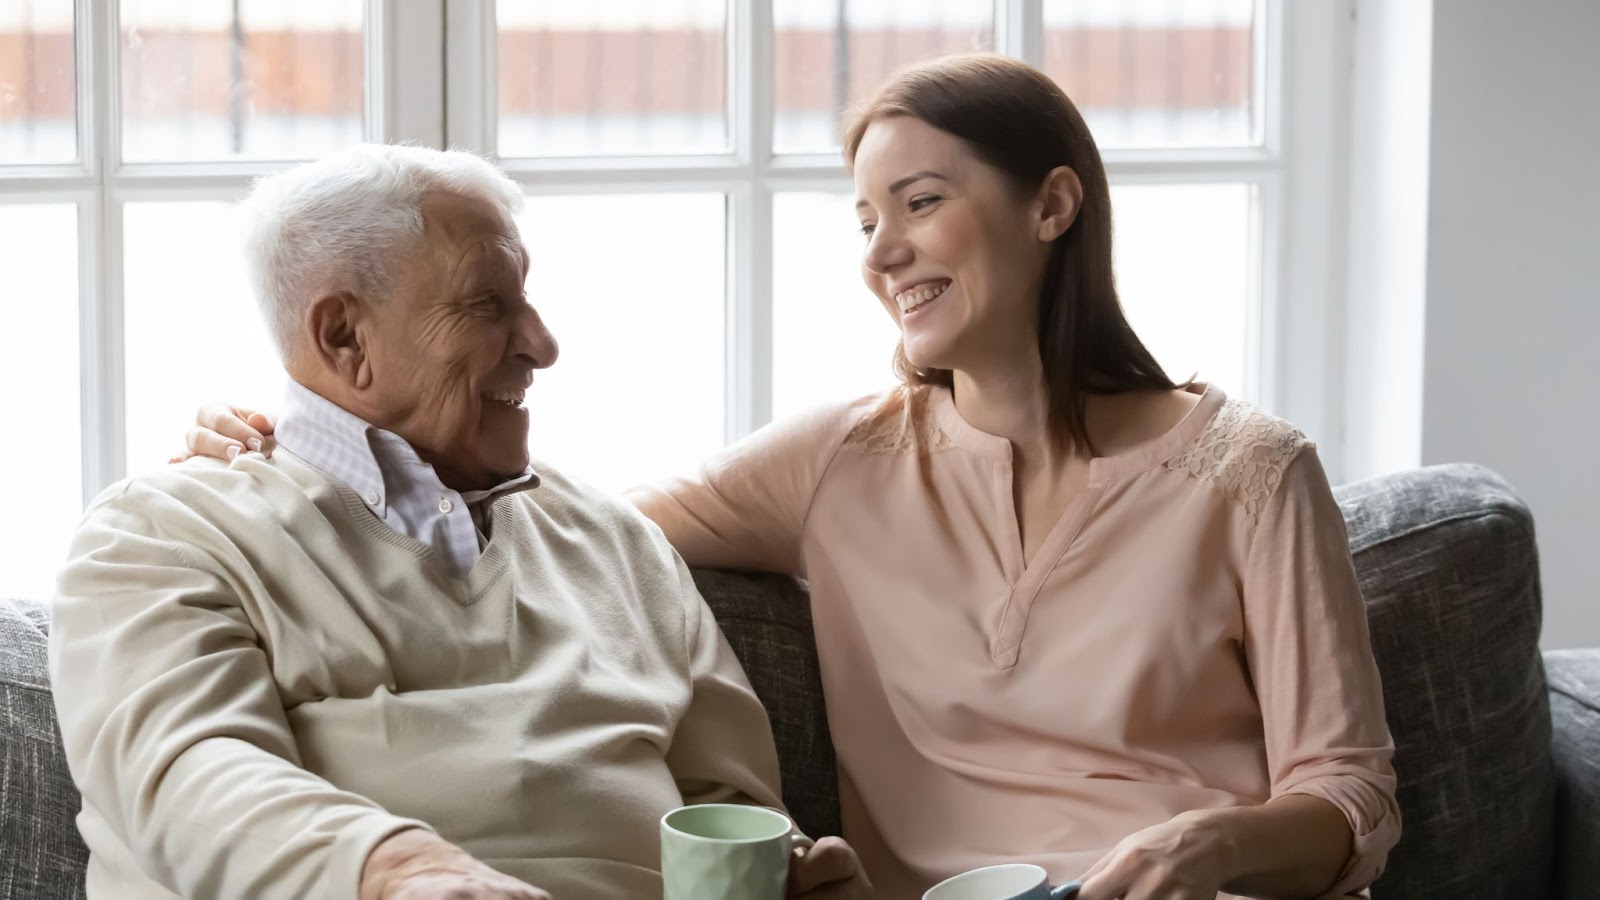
901,422
1242,454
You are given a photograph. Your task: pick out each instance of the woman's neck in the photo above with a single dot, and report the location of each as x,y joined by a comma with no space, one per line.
1011,402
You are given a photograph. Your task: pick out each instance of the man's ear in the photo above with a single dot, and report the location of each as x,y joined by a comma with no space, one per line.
1061,196
338,325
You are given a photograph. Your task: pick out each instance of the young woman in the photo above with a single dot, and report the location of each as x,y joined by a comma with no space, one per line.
1068,612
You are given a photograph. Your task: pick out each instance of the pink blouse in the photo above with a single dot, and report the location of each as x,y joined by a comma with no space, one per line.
1190,635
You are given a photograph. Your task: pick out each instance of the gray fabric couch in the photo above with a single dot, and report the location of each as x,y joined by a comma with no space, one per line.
1497,746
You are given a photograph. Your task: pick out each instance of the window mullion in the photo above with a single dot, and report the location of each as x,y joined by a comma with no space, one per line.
471,71
405,71
102,404
749,331
1019,29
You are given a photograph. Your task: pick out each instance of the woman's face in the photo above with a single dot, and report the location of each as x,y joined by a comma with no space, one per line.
955,252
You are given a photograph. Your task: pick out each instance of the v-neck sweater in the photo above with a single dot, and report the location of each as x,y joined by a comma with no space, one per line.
258,680
1189,635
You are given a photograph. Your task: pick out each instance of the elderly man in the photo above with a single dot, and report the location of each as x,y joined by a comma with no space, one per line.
393,662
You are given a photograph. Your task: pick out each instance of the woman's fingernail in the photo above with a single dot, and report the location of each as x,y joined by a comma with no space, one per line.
254,444
233,450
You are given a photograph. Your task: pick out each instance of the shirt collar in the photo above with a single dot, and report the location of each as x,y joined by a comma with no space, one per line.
364,457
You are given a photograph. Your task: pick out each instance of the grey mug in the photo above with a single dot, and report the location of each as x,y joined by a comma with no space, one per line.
1013,881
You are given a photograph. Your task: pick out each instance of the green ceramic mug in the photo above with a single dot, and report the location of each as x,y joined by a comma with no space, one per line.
723,851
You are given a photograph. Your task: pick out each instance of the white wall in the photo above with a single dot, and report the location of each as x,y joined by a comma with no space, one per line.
1513,274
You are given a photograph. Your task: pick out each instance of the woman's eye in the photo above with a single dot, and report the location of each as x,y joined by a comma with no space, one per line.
923,202
866,229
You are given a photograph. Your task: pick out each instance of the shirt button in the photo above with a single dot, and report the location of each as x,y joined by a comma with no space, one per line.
445,505
374,498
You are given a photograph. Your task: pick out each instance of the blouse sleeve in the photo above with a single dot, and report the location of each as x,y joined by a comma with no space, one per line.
1310,656
746,507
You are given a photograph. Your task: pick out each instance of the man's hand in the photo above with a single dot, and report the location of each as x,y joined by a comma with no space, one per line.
828,871
419,865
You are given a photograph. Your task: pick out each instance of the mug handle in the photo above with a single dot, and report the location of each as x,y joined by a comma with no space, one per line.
798,842
1066,891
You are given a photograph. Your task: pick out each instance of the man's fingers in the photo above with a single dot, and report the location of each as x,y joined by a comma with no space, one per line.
829,861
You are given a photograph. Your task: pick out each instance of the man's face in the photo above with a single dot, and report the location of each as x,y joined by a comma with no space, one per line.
454,349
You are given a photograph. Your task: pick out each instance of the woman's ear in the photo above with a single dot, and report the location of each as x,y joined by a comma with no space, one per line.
336,322
1061,196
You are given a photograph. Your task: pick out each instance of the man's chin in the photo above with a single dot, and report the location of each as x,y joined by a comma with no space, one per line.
511,462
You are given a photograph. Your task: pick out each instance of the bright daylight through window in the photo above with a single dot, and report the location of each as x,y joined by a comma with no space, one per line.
690,223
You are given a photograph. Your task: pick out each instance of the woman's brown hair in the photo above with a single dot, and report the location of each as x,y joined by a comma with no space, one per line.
1016,119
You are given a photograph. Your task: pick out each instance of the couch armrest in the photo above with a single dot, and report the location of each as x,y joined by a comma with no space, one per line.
1574,677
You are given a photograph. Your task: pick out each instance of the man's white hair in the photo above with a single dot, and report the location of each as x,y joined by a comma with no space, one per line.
345,221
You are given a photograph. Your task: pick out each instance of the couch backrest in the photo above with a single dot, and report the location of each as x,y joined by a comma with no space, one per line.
41,854
1448,567
767,619
1447,564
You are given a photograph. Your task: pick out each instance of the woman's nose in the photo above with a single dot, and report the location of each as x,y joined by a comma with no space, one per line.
886,250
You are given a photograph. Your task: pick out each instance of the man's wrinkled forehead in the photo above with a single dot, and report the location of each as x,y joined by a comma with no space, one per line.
465,223
465,217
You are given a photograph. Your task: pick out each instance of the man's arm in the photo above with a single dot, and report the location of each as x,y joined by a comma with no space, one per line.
722,751
173,727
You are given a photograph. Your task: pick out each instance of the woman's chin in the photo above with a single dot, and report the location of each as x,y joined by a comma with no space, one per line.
926,354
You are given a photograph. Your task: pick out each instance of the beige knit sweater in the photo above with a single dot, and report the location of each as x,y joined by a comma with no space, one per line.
258,681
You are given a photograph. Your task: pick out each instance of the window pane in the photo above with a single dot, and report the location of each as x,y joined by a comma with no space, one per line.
1158,73
638,390
1185,266
1185,273
255,79
612,78
39,403
831,338
829,54
193,331
38,100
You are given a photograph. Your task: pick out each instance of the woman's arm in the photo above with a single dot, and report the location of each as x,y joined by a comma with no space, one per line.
1293,846
746,506
1310,658
1332,817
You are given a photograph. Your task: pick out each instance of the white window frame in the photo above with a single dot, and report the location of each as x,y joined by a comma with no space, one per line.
1291,345
402,103
430,79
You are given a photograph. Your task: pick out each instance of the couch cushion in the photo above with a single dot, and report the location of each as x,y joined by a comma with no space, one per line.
1575,715
767,619
1447,564
41,854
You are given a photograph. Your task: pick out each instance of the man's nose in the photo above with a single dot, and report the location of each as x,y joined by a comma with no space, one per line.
534,342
